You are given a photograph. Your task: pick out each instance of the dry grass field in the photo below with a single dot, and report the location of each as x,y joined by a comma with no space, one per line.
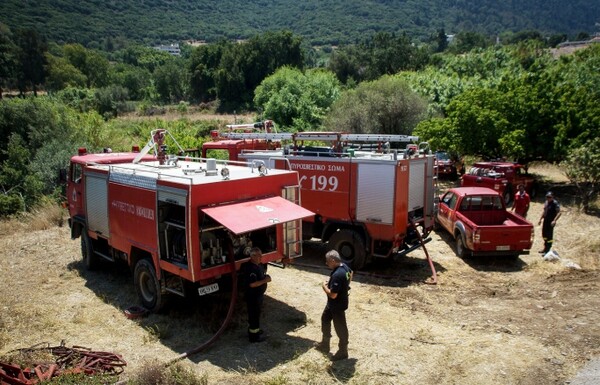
487,321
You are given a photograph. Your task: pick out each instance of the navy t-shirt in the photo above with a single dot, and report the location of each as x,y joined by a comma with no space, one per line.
255,273
339,282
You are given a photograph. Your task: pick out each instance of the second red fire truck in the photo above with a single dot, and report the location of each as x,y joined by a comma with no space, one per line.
368,200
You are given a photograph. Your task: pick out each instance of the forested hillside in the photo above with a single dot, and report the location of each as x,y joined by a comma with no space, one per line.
98,23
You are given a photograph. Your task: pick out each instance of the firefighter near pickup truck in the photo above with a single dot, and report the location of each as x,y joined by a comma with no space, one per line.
369,200
181,224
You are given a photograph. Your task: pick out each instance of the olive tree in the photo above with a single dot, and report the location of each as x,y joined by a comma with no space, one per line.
582,167
383,106
297,100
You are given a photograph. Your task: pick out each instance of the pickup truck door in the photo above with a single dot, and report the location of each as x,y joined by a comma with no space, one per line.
445,210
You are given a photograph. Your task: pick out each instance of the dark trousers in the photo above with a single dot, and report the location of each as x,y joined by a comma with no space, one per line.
339,323
548,235
254,306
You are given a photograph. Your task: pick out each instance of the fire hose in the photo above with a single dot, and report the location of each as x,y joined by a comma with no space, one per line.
73,360
226,321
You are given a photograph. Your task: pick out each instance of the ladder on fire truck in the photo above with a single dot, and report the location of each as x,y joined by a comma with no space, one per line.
292,229
264,130
321,136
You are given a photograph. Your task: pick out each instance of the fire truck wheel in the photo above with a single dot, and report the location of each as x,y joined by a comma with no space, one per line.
90,259
350,246
147,286
461,250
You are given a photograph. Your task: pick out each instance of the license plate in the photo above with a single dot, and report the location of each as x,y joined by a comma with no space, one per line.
208,289
502,248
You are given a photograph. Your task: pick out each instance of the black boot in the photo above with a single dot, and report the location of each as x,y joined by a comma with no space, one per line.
339,355
323,346
256,337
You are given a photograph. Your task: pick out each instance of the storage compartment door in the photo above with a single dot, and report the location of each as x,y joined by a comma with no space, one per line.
257,214
96,203
416,190
375,192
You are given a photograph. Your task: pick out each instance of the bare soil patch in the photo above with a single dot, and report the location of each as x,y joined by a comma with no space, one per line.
488,321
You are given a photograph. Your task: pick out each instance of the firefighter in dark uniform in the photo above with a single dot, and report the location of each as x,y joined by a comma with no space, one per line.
336,290
255,290
550,215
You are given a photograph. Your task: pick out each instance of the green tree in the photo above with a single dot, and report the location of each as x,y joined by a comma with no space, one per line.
171,81
346,63
576,81
382,54
478,120
441,41
439,133
383,106
79,99
466,41
295,100
31,57
47,162
92,64
111,100
62,74
244,66
16,178
203,66
145,57
136,80
8,57
582,167
96,69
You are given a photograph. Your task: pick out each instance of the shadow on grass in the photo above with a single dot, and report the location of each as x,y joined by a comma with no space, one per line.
488,263
187,323
392,272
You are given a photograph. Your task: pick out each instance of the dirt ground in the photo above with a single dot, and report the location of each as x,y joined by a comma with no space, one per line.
487,321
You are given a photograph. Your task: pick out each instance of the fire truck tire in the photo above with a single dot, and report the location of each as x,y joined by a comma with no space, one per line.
90,259
351,248
147,286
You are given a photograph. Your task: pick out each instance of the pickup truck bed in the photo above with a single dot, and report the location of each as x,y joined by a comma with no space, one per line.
493,218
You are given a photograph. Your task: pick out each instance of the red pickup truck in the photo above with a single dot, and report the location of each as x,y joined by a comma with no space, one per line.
479,222
504,177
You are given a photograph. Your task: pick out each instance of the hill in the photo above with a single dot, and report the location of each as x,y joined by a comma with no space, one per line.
96,22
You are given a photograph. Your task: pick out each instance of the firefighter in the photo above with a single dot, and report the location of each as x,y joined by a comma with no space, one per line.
255,290
336,289
550,215
521,201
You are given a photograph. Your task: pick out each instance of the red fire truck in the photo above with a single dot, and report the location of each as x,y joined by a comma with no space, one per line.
180,223
368,200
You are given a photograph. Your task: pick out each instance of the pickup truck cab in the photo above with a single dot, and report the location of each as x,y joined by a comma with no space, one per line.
478,220
504,177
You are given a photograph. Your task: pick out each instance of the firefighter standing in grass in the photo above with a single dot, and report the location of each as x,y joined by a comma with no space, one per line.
255,290
550,215
522,200
336,290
